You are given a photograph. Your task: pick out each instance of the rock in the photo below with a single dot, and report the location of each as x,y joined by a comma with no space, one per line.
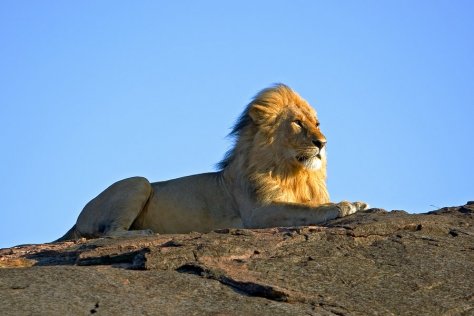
370,263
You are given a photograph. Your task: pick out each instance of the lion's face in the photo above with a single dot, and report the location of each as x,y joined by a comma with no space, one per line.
299,134
288,128
279,149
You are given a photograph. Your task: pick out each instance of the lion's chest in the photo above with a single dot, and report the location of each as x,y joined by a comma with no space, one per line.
309,193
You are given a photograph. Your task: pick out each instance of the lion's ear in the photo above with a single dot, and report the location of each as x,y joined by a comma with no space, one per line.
259,114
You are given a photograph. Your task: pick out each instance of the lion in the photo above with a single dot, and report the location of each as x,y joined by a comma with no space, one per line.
275,175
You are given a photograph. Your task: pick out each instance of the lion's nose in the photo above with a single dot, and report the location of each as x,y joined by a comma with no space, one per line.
319,143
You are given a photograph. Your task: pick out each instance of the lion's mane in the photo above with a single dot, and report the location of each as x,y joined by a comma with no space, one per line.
256,159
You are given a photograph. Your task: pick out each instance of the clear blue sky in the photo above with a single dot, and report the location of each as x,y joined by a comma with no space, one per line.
96,91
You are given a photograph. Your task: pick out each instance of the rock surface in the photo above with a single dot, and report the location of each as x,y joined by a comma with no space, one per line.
371,263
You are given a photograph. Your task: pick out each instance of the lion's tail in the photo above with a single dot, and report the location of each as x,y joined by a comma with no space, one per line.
71,234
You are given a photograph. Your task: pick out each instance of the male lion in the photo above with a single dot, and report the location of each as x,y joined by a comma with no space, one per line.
275,175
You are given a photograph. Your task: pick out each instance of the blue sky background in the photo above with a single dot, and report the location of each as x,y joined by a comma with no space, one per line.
96,91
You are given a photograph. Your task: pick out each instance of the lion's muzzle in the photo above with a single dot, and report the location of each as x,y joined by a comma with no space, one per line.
319,143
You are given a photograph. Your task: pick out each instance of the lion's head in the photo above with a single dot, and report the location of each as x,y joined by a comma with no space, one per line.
279,149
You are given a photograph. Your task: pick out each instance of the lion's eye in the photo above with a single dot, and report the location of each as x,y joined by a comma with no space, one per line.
317,124
298,122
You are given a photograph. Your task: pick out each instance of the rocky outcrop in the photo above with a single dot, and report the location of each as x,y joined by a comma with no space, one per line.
371,263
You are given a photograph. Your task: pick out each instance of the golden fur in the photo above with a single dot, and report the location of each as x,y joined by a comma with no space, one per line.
275,175
263,151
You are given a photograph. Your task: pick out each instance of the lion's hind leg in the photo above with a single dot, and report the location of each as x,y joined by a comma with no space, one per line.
113,211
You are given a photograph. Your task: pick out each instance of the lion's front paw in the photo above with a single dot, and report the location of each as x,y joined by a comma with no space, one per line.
346,208
361,206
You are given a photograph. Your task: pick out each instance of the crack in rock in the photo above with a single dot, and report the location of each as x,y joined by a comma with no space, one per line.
247,287
134,258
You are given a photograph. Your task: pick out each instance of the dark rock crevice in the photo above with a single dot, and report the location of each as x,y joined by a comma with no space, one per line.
246,288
